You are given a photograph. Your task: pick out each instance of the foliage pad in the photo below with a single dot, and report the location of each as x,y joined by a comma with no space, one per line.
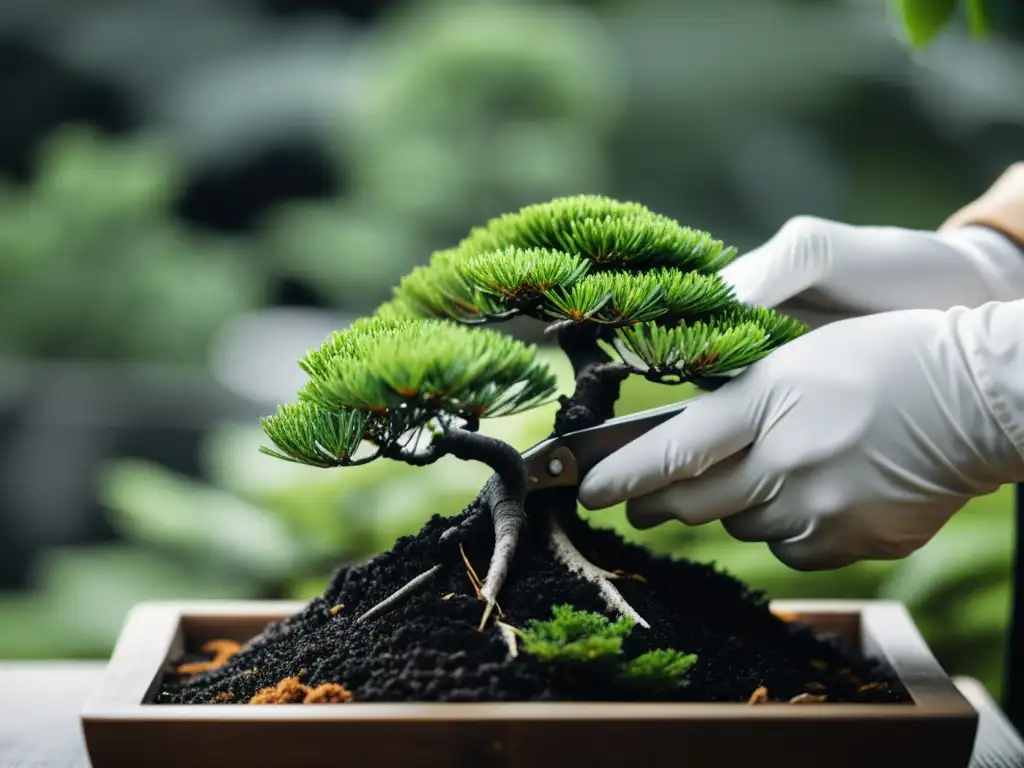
650,284
386,376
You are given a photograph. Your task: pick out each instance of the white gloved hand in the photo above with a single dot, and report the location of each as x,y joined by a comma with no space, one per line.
820,271
856,441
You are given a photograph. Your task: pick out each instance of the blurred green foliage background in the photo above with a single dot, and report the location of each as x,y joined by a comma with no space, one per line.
196,192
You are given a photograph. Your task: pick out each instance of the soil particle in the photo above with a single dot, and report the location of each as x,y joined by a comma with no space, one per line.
429,649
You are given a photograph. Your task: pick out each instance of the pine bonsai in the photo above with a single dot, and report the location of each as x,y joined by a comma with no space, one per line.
624,291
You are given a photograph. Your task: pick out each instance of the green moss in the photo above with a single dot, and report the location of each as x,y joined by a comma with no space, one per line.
574,637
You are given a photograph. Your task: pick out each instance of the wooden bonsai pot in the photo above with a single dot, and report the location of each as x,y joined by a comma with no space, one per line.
124,729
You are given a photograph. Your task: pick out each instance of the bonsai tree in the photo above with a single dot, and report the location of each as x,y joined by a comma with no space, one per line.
623,290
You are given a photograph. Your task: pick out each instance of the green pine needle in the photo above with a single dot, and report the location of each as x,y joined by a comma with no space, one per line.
698,349
627,298
735,338
610,233
439,290
583,258
305,434
517,278
780,329
424,368
689,294
395,310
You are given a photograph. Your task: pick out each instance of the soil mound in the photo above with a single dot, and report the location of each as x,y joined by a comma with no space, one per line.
429,648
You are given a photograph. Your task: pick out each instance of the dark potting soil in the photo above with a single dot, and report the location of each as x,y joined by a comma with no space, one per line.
429,648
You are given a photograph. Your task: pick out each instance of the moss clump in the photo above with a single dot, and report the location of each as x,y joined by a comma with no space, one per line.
574,637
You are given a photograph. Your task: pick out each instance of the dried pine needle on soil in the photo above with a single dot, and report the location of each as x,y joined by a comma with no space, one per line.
428,648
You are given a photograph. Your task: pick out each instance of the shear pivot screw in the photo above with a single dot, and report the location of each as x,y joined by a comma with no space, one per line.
555,467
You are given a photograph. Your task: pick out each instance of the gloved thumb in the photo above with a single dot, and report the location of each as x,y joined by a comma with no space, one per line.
712,428
793,260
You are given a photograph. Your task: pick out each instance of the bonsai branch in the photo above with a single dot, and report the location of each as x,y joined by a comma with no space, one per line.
598,380
566,553
400,596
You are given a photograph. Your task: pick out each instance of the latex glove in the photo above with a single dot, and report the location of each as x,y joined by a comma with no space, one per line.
820,271
855,441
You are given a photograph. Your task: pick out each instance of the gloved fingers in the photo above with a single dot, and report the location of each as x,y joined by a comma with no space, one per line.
796,258
711,429
774,521
818,548
731,486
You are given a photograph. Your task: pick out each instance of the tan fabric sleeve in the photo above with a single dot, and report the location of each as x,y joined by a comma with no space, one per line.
1001,207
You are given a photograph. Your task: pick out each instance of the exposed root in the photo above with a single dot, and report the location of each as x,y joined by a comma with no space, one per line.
566,553
503,495
508,634
403,594
459,529
509,516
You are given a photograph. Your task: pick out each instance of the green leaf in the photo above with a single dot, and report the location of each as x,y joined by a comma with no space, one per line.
923,20
978,21
153,505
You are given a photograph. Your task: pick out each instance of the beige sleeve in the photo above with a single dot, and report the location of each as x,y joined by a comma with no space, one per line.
1001,207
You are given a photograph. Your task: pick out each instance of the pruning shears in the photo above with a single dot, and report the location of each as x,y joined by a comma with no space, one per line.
565,460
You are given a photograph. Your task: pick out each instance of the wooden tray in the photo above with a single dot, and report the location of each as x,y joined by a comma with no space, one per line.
123,729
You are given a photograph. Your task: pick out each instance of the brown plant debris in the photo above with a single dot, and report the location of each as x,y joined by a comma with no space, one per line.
291,691
336,609
474,580
759,696
288,691
224,697
874,688
808,698
816,688
222,650
449,596
328,693
819,665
